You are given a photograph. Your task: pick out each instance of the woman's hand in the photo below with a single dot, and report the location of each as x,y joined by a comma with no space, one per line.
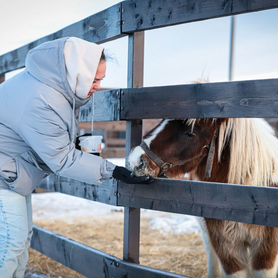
124,175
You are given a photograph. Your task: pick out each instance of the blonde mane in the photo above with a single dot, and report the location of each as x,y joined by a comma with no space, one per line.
253,151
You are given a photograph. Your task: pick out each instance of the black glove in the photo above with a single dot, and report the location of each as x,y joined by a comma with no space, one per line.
124,175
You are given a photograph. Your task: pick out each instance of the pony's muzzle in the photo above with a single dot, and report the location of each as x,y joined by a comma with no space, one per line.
139,169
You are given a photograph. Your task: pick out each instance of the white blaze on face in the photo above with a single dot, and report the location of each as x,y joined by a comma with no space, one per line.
133,159
156,132
135,155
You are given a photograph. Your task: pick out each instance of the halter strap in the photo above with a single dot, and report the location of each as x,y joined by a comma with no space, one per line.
210,158
164,166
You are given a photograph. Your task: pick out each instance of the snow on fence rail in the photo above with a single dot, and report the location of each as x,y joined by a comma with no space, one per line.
245,204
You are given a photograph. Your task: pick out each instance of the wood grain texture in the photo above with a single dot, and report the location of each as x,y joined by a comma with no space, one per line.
135,78
104,193
88,261
132,16
150,14
98,28
255,98
247,204
238,99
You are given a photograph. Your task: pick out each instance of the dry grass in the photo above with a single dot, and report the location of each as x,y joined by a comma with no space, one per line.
183,254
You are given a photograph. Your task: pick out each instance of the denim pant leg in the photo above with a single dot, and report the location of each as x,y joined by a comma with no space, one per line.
13,232
24,257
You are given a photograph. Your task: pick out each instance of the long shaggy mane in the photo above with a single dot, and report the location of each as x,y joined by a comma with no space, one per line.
253,151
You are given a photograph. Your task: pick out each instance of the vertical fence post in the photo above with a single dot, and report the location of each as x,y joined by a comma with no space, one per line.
232,49
133,138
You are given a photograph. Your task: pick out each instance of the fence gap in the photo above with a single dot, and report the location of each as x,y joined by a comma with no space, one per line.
133,137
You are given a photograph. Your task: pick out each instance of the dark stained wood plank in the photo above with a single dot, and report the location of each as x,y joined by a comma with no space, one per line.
131,250
247,204
104,193
255,98
149,14
88,261
104,107
227,99
98,28
223,99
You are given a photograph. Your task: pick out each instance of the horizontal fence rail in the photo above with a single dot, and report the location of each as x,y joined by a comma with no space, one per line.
240,99
132,16
219,100
247,204
104,193
98,28
144,15
88,261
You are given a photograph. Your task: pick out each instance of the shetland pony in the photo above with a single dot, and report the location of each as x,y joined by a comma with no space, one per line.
238,151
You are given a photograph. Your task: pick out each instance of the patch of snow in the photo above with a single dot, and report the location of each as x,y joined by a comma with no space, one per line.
170,223
58,206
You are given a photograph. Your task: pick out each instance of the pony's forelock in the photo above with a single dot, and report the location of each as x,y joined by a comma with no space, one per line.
192,122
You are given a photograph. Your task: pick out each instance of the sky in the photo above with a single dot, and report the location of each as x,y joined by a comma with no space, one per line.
174,55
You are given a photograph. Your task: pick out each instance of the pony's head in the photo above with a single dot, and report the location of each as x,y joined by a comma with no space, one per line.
172,144
240,151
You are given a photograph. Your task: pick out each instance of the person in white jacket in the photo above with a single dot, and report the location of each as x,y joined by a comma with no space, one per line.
38,129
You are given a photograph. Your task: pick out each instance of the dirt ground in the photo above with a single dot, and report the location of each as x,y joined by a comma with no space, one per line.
183,254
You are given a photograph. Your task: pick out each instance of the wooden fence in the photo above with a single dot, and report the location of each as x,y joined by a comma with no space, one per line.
256,98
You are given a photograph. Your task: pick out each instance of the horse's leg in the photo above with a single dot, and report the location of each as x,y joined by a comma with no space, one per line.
239,274
229,248
265,257
267,272
214,266
232,266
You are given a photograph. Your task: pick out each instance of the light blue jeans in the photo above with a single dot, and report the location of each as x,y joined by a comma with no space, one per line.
15,233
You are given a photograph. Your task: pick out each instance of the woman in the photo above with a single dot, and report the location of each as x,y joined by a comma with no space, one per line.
38,129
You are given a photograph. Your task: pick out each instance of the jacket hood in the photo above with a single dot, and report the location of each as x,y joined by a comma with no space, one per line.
68,65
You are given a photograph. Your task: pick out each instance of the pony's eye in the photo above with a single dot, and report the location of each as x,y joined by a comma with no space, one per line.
190,134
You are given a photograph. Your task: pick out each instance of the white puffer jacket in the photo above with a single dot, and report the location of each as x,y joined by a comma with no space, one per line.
38,124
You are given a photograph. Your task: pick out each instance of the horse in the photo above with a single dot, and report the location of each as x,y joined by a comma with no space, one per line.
239,151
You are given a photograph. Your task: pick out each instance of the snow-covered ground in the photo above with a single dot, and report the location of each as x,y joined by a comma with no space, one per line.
57,206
